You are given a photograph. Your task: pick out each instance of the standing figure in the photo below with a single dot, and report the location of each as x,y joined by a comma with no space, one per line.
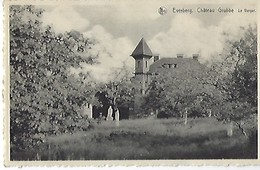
89,110
117,117
109,113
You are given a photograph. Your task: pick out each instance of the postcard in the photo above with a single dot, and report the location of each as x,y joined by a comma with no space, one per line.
140,83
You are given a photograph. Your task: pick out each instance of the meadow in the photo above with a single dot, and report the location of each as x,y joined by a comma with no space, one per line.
201,138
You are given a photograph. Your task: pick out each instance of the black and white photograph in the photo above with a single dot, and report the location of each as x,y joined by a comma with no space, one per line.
131,80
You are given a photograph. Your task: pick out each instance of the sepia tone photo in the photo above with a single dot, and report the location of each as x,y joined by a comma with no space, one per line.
131,81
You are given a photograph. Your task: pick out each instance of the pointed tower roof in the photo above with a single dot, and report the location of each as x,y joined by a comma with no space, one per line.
142,49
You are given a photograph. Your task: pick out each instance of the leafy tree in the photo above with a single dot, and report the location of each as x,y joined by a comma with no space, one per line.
156,97
244,77
178,90
119,90
44,95
236,78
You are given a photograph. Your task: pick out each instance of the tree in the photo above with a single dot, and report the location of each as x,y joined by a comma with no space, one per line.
117,91
45,97
244,77
236,78
178,90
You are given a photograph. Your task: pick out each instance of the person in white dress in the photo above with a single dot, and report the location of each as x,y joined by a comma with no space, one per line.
117,117
109,113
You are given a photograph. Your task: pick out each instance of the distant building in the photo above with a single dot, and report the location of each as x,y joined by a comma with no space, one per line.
148,64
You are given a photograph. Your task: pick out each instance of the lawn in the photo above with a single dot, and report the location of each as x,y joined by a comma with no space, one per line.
201,138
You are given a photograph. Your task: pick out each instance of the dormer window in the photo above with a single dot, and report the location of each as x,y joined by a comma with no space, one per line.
169,66
164,66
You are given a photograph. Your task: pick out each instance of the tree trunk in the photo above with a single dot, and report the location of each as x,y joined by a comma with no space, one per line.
175,106
38,157
114,101
209,113
230,129
49,151
186,117
156,112
244,132
242,129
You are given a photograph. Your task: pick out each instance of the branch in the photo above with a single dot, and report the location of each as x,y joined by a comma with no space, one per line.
241,128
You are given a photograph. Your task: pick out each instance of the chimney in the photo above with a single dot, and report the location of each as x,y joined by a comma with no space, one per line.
179,55
155,58
195,57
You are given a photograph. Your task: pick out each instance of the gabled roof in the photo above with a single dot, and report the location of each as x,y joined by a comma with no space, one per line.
142,49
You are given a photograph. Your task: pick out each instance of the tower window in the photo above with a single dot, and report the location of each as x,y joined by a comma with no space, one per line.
146,64
138,64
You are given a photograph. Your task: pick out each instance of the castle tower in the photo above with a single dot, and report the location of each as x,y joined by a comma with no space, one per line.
142,55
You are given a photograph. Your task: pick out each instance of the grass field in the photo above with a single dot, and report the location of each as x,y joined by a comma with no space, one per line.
203,138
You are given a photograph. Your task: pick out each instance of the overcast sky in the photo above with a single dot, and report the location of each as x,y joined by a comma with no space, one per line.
119,27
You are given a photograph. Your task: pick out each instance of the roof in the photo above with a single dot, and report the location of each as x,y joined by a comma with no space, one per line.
142,49
182,64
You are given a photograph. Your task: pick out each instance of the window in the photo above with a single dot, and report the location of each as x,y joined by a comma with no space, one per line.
164,66
146,64
169,66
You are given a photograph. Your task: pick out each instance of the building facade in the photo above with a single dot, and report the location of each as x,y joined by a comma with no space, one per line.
148,64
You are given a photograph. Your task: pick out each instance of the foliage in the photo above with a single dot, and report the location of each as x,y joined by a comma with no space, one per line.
228,89
118,91
236,78
236,75
45,97
178,90
243,84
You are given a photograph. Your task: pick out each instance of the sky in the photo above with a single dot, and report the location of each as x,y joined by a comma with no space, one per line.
119,27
